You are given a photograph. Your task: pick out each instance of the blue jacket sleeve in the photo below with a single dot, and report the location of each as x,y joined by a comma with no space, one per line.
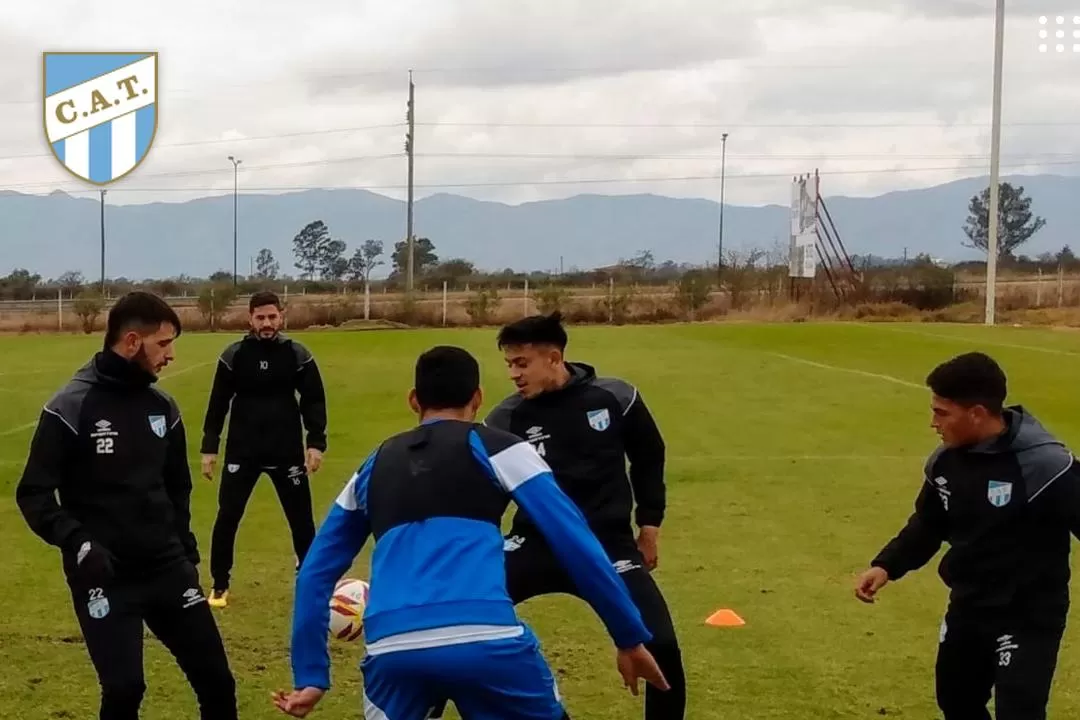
524,474
336,545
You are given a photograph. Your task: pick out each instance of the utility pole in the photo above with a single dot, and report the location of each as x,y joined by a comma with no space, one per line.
995,166
236,185
103,242
410,142
720,243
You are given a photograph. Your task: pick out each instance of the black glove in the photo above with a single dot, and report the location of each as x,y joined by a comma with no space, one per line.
94,564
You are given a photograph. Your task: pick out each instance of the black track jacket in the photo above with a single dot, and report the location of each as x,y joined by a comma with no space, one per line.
586,431
261,379
1006,508
112,447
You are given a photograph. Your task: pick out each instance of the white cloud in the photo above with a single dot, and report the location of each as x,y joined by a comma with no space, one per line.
515,100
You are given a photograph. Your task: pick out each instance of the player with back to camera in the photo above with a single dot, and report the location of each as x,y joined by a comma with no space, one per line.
1005,494
439,621
112,448
586,427
273,385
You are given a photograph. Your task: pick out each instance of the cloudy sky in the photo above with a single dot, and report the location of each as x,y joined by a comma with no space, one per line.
520,100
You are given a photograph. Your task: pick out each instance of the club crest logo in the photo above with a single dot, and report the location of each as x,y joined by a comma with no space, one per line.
100,111
999,493
98,607
599,420
157,424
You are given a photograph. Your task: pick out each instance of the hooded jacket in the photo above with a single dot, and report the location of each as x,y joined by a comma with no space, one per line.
586,431
112,448
1006,507
257,384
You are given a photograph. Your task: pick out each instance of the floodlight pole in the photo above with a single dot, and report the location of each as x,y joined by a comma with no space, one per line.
995,167
720,241
236,185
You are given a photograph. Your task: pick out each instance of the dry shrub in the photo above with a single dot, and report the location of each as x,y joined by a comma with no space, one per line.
887,311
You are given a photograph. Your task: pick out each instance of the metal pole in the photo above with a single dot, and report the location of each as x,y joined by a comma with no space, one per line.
720,243
103,242
409,209
236,185
995,162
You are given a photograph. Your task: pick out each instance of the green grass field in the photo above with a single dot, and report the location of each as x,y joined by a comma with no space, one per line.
794,452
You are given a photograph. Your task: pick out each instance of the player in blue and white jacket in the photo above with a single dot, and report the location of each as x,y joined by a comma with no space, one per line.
439,621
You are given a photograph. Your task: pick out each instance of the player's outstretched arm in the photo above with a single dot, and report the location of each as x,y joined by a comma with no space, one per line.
914,546
336,545
517,467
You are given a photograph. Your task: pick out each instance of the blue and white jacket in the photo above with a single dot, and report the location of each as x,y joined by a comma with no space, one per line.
433,499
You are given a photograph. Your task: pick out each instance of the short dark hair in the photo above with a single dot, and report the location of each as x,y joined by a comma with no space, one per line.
447,377
264,297
535,330
971,379
142,310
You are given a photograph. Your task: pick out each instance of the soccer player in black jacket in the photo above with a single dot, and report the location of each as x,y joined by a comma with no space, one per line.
586,427
111,446
261,376
1005,495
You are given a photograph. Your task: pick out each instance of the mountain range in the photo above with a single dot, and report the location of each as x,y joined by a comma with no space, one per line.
52,234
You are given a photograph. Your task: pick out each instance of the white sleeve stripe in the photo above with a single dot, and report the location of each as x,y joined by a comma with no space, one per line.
346,500
1051,480
222,361
62,419
631,403
175,422
518,464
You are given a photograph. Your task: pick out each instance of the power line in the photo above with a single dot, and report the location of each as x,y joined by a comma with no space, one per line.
576,126
748,126
740,156
268,166
232,141
583,181
523,74
1075,158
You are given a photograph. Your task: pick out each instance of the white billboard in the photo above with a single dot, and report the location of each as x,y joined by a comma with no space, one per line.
804,232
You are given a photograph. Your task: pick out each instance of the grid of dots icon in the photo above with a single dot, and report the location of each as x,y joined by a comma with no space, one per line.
1060,34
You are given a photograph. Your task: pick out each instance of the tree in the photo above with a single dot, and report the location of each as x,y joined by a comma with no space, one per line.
266,267
452,271
308,247
331,262
364,260
423,256
71,281
1016,224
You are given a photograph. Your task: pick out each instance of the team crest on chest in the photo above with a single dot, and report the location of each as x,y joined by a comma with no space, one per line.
999,493
158,425
599,420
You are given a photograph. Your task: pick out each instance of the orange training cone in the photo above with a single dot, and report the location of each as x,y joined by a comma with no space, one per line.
725,618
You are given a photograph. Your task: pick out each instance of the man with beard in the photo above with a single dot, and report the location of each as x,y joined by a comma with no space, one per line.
107,481
260,376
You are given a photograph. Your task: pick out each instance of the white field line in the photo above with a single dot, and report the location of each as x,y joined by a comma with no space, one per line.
29,425
992,343
852,371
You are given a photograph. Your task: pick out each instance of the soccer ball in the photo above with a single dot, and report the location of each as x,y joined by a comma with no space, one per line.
347,606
